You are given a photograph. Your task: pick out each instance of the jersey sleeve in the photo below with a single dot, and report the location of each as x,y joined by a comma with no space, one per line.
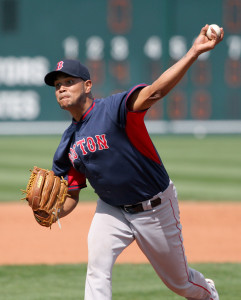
138,135
76,180
62,166
117,105
133,124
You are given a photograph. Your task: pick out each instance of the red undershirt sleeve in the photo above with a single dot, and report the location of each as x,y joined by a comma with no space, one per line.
76,180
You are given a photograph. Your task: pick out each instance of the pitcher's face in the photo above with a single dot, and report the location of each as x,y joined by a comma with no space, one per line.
69,91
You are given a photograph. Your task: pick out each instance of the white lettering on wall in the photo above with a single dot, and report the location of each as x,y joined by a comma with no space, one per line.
19,105
23,71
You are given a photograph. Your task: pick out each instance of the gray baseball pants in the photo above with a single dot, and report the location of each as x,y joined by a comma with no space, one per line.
158,233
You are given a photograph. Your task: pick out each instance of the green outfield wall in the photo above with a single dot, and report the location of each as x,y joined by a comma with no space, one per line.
123,42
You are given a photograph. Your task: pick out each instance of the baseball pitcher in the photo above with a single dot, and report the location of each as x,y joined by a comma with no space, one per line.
108,144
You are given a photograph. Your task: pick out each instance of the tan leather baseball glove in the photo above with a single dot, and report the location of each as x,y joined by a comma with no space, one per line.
46,194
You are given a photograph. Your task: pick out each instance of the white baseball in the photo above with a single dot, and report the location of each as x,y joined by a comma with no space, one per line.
216,28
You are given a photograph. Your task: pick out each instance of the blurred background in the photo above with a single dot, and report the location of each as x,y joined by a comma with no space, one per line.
123,43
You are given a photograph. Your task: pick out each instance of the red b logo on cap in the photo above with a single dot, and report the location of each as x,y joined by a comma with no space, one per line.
60,65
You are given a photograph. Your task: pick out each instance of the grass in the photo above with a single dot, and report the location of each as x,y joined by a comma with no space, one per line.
41,282
130,282
202,169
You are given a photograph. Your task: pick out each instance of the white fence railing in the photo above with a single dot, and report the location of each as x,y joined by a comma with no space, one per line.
198,128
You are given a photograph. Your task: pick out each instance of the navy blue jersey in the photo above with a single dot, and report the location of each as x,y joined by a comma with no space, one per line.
111,147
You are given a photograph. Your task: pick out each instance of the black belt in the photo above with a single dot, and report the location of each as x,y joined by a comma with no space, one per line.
136,208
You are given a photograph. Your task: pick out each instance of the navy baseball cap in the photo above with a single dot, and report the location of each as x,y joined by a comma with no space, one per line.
70,67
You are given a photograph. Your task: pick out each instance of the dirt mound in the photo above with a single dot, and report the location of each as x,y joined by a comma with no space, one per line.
211,234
